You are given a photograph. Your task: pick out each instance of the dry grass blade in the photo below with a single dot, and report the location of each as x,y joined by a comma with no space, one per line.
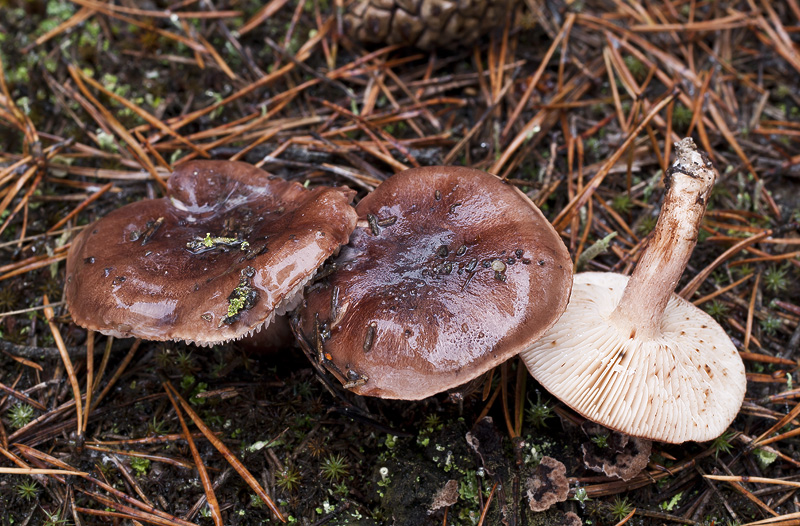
626,518
721,291
756,480
89,379
38,471
748,332
133,512
62,349
211,497
117,374
169,13
14,190
272,7
789,417
78,209
22,397
487,504
147,117
118,128
78,18
534,80
135,516
229,456
790,519
149,456
579,200
534,127
688,291
106,9
150,510
726,132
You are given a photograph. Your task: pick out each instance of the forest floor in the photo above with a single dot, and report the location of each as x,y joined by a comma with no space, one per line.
578,103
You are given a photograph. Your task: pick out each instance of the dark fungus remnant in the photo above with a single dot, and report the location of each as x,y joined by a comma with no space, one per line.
446,496
486,440
632,355
430,302
613,453
425,24
227,249
548,485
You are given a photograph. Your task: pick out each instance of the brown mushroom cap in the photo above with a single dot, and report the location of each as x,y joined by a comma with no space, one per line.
426,24
450,272
630,354
214,260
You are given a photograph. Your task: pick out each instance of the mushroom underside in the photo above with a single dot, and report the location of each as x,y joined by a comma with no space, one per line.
686,383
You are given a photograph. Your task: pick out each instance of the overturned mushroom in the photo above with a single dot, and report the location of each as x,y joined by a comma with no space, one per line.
226,250
425,24
633,356
451,272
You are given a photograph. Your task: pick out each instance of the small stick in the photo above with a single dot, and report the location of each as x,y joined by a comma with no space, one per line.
211,497
62,349
229,456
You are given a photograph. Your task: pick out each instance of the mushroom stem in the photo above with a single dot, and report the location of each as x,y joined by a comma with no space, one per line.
649,289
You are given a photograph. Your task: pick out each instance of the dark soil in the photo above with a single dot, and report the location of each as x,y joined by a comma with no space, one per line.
324,455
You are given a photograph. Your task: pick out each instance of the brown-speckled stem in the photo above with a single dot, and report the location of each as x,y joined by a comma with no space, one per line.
689,183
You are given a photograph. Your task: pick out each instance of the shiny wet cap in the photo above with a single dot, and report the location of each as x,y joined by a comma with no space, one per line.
450,272
226,250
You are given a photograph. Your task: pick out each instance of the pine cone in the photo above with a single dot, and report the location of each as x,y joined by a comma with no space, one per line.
426,24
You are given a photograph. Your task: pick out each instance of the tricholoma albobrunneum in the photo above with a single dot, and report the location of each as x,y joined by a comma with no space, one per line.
633,356
450,272
225,251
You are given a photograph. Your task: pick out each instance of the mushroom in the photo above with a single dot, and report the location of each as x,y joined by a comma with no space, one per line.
450,272
425,24
227,249
633,356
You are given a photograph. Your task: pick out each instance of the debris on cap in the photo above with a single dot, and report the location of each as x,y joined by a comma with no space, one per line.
620,455
450,272
633,356
227,249
548,485
425,24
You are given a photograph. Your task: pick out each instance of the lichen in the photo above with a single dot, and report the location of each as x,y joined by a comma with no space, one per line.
242,298
199,245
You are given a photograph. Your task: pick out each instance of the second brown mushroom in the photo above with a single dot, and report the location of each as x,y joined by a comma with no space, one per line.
450,272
